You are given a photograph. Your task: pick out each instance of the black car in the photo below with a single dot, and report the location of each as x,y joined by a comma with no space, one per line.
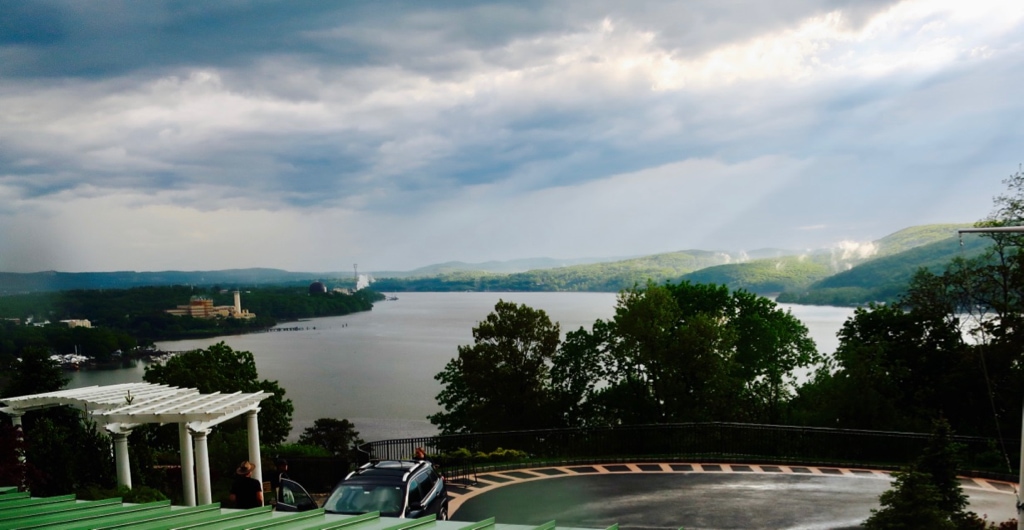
395,488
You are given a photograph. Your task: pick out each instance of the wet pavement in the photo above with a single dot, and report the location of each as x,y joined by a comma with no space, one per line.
696,497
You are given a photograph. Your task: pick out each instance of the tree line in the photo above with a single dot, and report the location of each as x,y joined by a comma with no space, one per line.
948,347
741,352
140,312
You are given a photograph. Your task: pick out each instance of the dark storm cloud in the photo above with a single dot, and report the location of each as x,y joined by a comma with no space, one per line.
105,38
57,38
51,38
620,127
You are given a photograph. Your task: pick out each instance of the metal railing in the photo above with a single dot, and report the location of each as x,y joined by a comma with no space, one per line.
460,456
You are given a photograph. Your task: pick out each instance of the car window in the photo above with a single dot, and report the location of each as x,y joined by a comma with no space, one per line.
415,493
359,498
427,485
294,497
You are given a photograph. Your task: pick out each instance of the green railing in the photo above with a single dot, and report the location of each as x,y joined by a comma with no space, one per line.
463,454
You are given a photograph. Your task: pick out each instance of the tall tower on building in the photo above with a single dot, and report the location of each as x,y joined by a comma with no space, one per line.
238,303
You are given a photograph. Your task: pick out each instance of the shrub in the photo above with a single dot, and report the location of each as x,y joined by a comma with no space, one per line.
498,455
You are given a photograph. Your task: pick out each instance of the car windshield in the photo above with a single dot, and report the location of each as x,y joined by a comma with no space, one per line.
363,498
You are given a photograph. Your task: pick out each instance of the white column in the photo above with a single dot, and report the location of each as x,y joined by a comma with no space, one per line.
254,443
124,472
203,467
19,433
188,476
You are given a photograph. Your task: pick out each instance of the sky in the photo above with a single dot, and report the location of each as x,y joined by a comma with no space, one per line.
311,136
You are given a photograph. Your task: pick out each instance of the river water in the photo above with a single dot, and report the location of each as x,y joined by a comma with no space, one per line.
377,368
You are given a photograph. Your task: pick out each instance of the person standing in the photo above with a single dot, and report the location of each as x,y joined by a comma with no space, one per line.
246,492
281,472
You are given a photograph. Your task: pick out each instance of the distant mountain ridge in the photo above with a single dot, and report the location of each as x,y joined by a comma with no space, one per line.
12,282
849,273
501,267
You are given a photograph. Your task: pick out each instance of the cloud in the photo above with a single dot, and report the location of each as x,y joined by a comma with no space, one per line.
563,129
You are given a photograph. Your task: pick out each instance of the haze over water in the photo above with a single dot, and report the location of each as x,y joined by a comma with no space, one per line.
377,368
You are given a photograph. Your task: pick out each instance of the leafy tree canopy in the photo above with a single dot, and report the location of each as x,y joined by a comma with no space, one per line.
500,382
339,437
927,493
673,352
684,352
32,373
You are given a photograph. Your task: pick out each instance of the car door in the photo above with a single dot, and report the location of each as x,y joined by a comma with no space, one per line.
294,498
424,497
414,508
435,496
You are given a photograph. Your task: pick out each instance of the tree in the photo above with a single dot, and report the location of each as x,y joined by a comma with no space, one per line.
577,372
897,363
501,381
671,361
770,345
927,493
683,352
337,436
34,373
912,502
49,435
940,461
222,369
52,469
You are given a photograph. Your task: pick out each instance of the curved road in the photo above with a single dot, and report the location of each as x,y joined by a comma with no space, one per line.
695,496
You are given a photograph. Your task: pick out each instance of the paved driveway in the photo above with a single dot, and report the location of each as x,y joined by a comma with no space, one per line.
695,497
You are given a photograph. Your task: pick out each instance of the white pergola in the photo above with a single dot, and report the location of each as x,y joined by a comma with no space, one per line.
121,408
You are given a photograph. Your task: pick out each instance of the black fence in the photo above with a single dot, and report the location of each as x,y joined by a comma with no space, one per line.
462,455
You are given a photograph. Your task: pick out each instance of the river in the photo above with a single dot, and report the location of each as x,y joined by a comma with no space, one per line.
377,368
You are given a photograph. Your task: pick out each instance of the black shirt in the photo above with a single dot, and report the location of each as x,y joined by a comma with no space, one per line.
246,491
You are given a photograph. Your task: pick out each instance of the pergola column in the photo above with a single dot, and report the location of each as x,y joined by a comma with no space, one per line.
254,443
124,472
203,466
188,476
19,431
19,435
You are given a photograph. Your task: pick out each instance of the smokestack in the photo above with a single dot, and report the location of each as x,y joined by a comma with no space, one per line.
238,303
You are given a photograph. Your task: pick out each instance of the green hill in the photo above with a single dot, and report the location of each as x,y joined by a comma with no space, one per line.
885,278
500,267
600,277
765,276
774,272
796,274
916,236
